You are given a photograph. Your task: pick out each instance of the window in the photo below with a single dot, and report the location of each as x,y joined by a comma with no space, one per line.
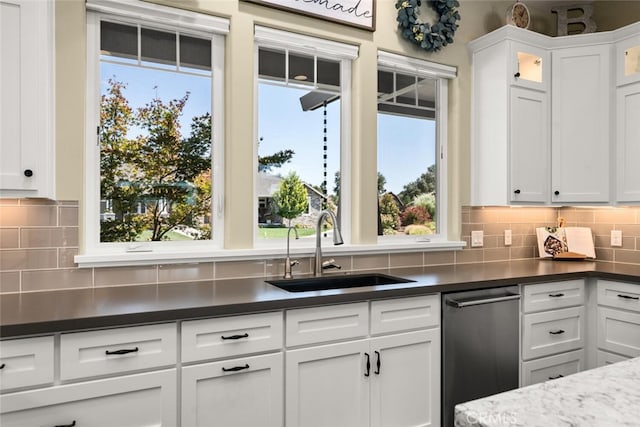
156,96
412,106
302,100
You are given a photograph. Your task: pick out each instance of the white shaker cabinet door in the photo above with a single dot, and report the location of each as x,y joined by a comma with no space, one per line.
529,146
234,393
628,143
142,400
26,98
327,385
580,128
405,379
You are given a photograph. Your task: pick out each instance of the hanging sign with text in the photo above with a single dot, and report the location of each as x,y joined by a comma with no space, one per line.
357,13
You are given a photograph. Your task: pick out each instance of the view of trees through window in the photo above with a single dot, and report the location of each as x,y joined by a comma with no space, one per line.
299,140
154,135
407,197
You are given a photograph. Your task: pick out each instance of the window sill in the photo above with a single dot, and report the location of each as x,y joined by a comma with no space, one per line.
122,259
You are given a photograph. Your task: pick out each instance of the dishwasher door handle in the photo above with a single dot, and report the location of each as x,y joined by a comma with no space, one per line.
462,304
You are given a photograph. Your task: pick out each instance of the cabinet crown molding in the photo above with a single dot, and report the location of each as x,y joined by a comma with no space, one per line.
510,32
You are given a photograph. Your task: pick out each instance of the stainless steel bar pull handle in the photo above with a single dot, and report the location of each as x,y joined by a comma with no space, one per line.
462,304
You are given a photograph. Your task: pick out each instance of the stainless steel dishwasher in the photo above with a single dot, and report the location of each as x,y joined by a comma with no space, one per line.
480,342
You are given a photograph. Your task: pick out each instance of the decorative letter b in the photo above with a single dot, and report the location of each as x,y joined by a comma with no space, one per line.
583,20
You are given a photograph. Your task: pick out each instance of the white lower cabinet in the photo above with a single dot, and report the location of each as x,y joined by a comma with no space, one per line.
385,381
553,333
139,400
618,320
405,388
326,385
26,362
234,393
605,358
379,381
553,367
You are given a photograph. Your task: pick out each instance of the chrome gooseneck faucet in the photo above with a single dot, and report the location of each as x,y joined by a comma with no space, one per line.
337,240
287,262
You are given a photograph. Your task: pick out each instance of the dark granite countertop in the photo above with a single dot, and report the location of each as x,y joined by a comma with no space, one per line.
67,310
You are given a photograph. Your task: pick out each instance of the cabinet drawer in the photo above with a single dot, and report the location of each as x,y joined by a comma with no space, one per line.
111,351
619,295
552,332
26,362
231,336
147,399
605,358
403,314
550,296
619,331
553,367
328,323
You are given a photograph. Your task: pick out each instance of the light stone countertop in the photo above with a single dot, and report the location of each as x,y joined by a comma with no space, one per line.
600,397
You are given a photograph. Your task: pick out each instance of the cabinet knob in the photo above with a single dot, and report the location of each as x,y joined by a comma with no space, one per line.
516,75
517,191
28,173
557,193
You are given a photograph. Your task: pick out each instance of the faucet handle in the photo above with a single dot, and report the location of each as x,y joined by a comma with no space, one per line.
288,264
330,263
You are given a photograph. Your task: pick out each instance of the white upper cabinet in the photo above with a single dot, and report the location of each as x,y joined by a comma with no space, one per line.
628,143
510,130
529,146
546,127
580,130
627,125
627,59
530,66
26,99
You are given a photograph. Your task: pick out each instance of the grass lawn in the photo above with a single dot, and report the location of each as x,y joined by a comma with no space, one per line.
281,232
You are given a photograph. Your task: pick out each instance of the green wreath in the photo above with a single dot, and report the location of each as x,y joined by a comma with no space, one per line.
429,37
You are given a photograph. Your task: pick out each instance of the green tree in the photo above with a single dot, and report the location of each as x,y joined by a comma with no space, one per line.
389,214
170,176
291,197
275,160
426,183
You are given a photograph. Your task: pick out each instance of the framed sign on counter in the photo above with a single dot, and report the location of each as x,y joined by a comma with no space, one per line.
356,13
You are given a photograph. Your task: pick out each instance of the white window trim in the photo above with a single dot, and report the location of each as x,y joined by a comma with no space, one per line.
190,252
443,73
415,66
345,53
132,253
163,15
270,37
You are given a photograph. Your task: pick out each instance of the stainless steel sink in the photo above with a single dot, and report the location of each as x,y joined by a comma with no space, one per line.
336,282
